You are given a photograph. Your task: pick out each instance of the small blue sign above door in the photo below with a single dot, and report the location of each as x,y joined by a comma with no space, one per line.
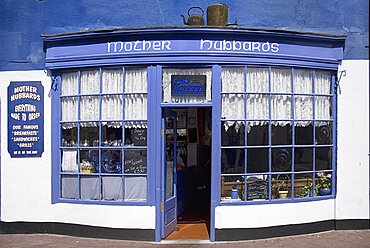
188,85
25,119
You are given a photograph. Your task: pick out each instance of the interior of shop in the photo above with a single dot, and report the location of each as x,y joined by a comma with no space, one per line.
193,167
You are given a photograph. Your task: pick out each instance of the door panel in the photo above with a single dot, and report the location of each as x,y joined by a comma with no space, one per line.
169,218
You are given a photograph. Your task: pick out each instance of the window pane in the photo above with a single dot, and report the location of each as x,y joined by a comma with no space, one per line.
69,187
257,187
112,134
281,80
89,134
303,159
303,133
111,107
303,107
136,136
135,189
90,82
281,159
281,186
232,106
281,135
257,80
323,182
257,106
89,108
232,188
323,133
69,83
111,161
90,187
136,107
136,81
323,158
89,160
257,160
323,82
112,188
303,186
69,160
234,135
232,79
135,161
323,108
258,134
281,108
69,134
69,109
302,81
112,81
232,161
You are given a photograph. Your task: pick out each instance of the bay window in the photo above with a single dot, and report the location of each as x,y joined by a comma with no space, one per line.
103,130
276,133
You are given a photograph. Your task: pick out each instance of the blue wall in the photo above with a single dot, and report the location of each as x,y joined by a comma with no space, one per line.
22,21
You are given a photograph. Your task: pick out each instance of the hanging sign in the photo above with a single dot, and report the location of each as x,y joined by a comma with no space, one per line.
188,85
25,119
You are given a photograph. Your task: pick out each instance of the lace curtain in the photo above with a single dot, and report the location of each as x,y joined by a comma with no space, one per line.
135,98
166,87
257,99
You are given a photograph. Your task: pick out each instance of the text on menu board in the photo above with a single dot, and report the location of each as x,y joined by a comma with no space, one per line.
25,119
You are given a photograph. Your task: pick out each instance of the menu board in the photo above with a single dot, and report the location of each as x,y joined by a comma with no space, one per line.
25,119
139,136
135,162
257,188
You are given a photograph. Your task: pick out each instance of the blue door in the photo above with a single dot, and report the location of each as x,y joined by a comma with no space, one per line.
169,154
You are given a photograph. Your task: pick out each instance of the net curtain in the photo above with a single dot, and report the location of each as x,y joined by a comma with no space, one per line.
135,97
255,82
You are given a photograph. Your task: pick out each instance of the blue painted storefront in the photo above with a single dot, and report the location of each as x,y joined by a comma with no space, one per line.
22,21
184,47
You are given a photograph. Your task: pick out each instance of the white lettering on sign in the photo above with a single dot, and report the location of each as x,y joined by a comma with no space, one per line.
204,45
143,45
246,46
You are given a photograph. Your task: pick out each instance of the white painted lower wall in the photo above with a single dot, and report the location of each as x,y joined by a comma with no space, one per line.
254,216
26,182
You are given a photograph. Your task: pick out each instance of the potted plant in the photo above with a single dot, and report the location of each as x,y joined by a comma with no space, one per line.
306,191
282,188
323,185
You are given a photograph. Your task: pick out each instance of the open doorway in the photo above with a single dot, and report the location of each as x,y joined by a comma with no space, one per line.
193,172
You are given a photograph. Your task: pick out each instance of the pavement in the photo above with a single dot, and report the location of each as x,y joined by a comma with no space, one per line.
347,239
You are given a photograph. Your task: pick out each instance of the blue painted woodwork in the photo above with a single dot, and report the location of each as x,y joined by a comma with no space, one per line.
169,211
192,45
22,21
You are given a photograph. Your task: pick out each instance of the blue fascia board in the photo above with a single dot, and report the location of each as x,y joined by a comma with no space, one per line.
191,45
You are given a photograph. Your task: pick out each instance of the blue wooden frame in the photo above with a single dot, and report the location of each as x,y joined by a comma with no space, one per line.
79,50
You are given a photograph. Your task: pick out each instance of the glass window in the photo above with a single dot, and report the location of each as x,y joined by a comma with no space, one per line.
187,85
276,133
103,130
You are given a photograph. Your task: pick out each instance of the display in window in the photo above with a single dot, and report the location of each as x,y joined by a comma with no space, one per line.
111,161
281,185
257,187
232,188
112,134
69,134
135,161
89,134
89,160
281,159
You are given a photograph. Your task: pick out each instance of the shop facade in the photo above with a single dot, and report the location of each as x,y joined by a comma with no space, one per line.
144,124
